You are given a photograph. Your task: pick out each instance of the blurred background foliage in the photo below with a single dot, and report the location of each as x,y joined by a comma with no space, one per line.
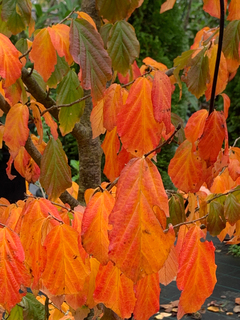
162,37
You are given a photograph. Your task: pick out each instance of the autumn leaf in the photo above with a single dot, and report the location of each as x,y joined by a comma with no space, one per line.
195,125
13,272
68,91
234,10
65,271
114,98
186,168
161,99
43,54
117,9
231,40
60,70
59,35
10,66
96,119
86,48
212,138
169,270
198,75
17,14
167,5
213,7
147,293
136,126
223,74
232,209
16,128
176,209
226,104
115,290
138,245
55,174
123,46
95,225
197,272
49,120
216,221
111,146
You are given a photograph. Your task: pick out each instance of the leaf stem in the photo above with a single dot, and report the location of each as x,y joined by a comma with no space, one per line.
25,54
165,142
68,16
220,42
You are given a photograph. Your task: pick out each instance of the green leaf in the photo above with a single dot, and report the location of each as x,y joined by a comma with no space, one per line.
16,313
197,76
55,176
104,32
216,221
39,80
175,120
123,46
17,14
69,90
87,49
176,209
22,45
3,26
33,309
231,40
232,209
61,69
114,10
180,63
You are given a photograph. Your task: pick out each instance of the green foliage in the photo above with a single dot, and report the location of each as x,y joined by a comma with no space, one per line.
234,250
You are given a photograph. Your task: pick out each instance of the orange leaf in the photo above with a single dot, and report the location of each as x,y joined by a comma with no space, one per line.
95,225
147,293
43,54
138,245
37,120
10,66
16,128
197,272
167,5
115,290
185,168
113,101
234,10
85,16
169,270
200,37
212,138
13,272
111,146
59,35
195,125
161,99
213,7
226,103
49,120
65,272
223,74
96,119
137,128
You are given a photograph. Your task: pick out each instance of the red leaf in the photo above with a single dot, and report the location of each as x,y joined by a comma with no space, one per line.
167,5
147,293
197,272
213,7
161,99
195,125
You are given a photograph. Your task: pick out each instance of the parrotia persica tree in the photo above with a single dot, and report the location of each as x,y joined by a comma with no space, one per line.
106,247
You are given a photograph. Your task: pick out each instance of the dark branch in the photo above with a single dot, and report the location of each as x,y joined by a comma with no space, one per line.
220,41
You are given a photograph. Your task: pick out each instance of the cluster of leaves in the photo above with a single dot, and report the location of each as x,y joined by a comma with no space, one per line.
111,254
234,250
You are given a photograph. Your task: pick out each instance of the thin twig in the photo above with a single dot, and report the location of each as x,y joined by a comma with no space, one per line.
25,54
68,16
142,75
3,225
3,205
60,221
112,184
62,206
66,105
235,142
165,142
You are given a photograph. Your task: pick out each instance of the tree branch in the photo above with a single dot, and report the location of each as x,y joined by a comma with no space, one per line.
220,42
68,16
